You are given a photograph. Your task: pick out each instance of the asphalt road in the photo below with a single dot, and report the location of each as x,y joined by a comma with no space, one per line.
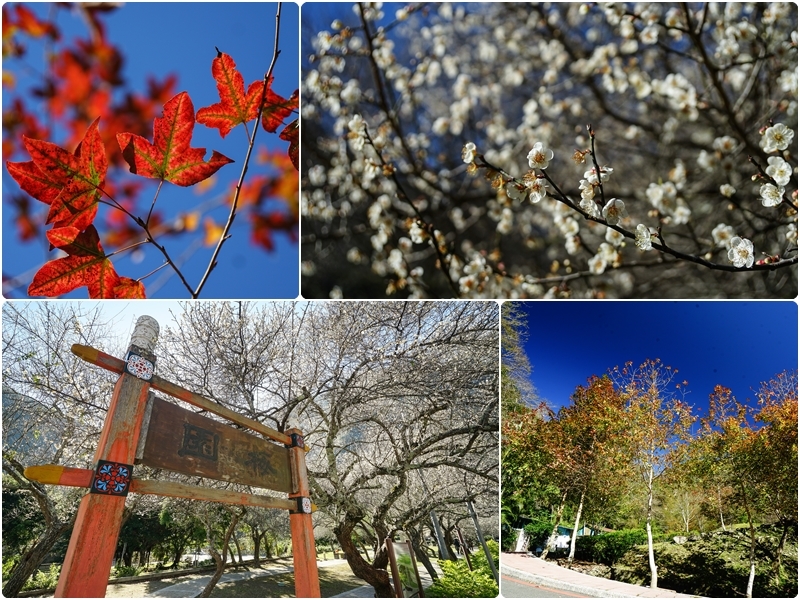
510,587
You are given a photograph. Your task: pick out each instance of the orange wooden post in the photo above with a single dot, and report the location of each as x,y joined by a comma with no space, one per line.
94,538
304,552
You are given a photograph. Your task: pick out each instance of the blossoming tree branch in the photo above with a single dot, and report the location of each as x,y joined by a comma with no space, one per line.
659,141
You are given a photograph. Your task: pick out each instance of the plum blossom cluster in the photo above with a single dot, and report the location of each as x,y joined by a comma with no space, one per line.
443,143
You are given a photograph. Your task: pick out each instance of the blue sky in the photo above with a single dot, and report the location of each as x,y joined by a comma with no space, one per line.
162,38
735,344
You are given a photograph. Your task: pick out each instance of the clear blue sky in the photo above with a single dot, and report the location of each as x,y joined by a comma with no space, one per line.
162,38
735,344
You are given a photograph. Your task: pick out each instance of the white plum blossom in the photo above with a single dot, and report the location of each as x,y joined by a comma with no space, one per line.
614,211
723,234
506,221
649,35
740,252
597,264
777,137
590,206
537,190
771,195
725,144
644,239
727,190
357,133
779,170
587,189
469,152
540,156
791,233
614,237
514,191
591,175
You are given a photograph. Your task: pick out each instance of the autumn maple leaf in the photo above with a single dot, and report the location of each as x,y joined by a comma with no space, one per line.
276,109
70,183
86,265
290,133
235,106
170,156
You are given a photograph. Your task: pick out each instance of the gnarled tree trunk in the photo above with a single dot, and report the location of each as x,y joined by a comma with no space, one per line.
374,574
416,543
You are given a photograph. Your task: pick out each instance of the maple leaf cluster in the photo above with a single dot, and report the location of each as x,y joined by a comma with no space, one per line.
73,184
239,107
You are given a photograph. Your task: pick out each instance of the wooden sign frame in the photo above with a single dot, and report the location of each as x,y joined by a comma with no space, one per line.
125,434
405,575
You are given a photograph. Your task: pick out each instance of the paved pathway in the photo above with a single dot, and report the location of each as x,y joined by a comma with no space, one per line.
535,570
193,588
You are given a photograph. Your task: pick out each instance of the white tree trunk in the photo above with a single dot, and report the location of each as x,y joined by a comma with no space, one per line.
551,541
751,579
575,530
650,555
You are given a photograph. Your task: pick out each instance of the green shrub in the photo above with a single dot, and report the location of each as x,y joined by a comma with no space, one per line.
123,571
508,537
607,548
459,582
8,566
538,532
42,580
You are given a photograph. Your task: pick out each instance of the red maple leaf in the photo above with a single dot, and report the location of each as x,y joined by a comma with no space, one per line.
291,134
276,109
236,106
70,183
86,265
129,288
170,156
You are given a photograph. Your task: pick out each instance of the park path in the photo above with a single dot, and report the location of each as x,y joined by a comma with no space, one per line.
536,570
193,588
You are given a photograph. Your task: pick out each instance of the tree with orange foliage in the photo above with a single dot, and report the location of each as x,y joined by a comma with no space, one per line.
657,422
589,452
755,450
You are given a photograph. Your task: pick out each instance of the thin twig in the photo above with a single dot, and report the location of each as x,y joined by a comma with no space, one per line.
232,215
153,203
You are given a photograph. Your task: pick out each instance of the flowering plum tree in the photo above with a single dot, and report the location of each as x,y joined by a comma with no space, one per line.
660,146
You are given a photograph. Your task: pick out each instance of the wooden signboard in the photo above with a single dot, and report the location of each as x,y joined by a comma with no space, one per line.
407,583
183,441
140,428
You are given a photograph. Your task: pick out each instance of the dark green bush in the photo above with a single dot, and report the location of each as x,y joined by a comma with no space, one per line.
509,538
538,531
607,548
